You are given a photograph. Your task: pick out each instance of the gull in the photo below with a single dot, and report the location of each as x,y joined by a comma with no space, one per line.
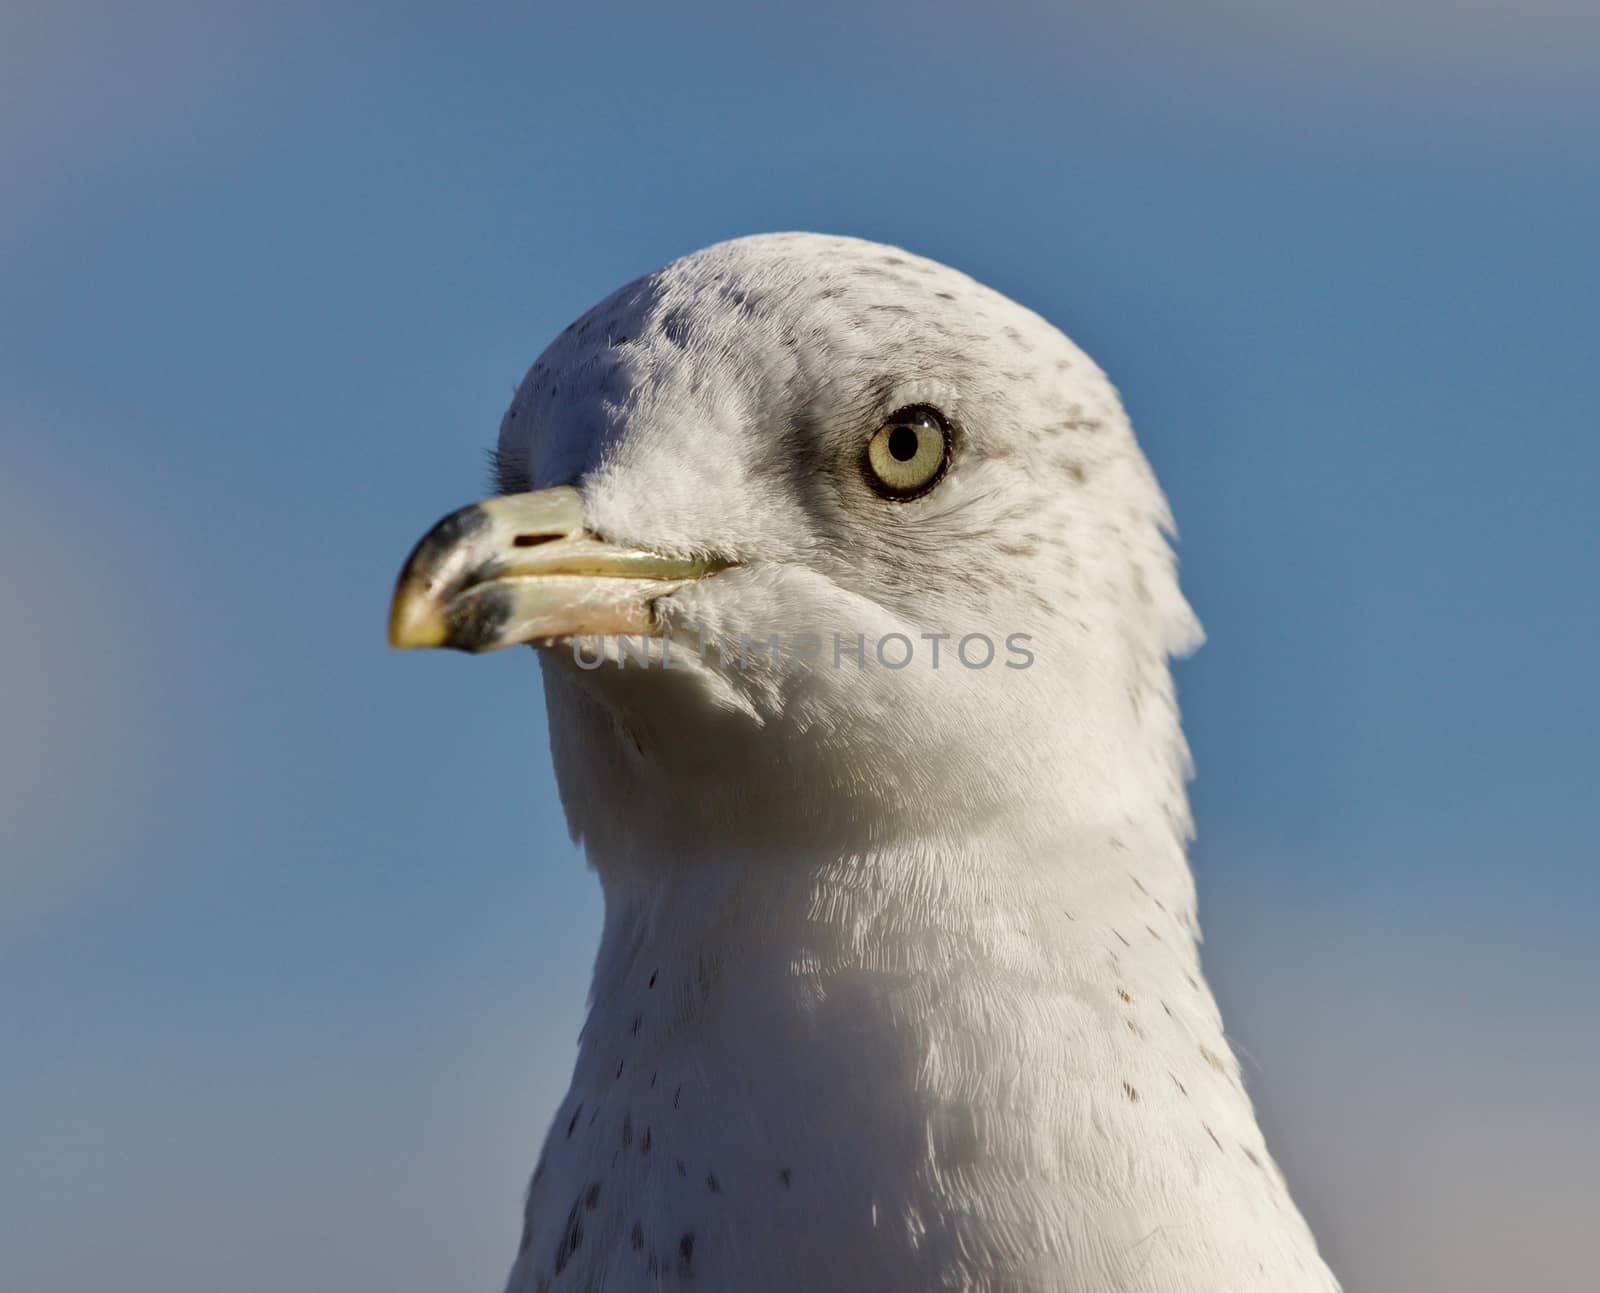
854,601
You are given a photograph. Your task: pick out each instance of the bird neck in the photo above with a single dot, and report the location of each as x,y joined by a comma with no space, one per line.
933,1052
911,985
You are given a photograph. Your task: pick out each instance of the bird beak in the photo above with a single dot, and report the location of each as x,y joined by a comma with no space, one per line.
523,569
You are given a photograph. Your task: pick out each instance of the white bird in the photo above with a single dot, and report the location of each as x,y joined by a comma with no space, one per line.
898,987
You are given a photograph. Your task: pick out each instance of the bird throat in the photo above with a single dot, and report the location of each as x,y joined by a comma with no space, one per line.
903,1060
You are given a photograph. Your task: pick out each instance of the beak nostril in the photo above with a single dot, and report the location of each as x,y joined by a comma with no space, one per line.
533,540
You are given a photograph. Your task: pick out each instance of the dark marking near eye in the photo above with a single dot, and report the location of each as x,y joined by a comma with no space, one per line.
533,540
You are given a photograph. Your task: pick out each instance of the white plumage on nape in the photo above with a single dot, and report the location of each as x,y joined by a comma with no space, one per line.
898,987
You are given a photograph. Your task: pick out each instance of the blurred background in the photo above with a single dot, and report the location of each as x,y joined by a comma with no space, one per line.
293,950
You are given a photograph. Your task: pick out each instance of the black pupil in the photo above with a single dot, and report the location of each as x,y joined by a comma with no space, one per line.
903,442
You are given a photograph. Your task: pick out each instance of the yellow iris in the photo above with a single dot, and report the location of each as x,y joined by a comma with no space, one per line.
908,453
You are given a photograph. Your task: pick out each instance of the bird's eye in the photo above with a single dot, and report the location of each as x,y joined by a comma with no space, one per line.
909,452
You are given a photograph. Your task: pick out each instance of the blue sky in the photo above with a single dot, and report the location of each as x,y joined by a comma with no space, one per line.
292,946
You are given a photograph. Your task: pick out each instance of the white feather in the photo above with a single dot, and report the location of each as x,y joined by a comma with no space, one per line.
899,986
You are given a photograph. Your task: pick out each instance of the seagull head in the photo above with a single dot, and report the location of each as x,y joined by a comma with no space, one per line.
820,541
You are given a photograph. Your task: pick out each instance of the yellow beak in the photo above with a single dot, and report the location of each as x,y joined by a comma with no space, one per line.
523,569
